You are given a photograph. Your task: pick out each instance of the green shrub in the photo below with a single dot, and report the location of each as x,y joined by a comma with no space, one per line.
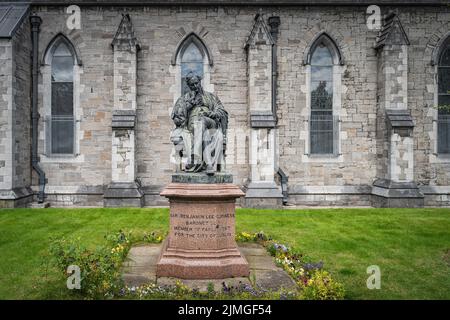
101,278
251,237
153,237
322,287
314,283
100,268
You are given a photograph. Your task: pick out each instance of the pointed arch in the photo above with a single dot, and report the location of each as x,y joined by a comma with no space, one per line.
185,42
442,63
53,44
323,65
439,49
329,42
60,69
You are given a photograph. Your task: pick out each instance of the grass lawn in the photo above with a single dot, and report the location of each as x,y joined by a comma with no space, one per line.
411,246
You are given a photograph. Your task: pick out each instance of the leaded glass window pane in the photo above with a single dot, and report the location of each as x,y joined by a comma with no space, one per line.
321,56
444,124
444,101
321,119
62,120
321,130
444,80
62,99
62,130
62,64
62,69
445,57
191,61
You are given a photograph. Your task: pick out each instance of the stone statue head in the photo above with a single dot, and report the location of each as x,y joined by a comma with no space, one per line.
194,82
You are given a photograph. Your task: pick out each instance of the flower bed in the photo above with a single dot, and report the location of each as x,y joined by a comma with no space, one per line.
101,278
314,282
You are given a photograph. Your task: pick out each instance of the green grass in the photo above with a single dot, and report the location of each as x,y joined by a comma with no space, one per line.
411,246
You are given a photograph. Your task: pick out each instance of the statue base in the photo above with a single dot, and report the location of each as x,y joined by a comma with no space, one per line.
201,242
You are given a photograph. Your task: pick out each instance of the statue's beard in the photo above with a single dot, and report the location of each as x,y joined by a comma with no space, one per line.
198,90
196,94
194,98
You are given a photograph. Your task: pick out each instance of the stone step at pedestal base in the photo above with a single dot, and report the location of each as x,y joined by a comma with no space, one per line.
201,264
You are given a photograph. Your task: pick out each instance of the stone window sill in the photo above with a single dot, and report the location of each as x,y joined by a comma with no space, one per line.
440,158
322,158
62,158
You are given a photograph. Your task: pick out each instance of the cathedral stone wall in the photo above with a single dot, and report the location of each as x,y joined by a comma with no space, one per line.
342,180
6,114
21,86
15,118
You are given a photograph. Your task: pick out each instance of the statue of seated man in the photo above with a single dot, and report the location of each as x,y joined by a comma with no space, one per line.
200,133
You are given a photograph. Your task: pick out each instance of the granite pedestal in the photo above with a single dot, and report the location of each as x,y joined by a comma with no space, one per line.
201,242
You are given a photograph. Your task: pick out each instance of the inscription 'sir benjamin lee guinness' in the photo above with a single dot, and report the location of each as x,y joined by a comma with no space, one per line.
201,226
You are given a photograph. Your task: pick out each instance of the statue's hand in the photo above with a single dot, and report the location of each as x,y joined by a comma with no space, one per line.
178,121
189,106
210,114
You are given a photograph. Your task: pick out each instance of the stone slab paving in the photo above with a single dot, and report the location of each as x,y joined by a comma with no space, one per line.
140,268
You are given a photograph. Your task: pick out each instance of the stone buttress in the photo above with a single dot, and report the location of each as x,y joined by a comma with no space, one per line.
124,189
395,185
262,190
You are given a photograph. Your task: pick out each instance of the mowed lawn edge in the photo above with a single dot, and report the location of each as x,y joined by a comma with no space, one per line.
410,246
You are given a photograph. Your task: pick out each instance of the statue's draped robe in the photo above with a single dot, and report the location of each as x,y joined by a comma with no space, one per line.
201,136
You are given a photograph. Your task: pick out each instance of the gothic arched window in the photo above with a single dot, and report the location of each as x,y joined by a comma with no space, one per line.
322,124
191,62
444,99
61,122
191,55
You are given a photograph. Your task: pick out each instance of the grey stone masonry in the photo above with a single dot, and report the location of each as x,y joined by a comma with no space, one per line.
263,155
376,73
15,117
396,188
124,190
6,110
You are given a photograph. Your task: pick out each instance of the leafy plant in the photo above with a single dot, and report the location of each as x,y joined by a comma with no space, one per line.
444,107
312,280
210,287
100,268
153,237
101,278
322,287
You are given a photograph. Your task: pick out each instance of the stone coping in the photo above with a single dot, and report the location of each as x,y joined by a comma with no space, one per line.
191,191
218,177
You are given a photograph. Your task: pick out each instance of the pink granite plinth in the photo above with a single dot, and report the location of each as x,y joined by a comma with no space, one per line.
201,242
